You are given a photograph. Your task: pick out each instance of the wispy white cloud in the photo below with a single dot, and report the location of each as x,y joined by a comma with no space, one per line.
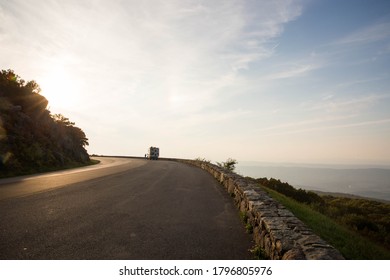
363,123
194,40
370,34
328,113
291,72
346,105
295,129
354,82
297,125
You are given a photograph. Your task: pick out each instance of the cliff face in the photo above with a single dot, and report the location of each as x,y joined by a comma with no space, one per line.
31,139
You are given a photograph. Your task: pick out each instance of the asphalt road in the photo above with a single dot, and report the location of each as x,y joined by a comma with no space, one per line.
120,209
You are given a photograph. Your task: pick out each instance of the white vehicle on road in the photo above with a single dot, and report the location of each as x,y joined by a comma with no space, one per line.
153,153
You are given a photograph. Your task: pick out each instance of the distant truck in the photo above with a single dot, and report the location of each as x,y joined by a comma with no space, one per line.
153,153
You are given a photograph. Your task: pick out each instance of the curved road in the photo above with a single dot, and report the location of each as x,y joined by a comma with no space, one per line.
120,209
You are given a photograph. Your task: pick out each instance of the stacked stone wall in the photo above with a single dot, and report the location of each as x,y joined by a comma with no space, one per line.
279,234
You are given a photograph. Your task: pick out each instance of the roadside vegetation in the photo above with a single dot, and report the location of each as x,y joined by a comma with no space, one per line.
202,160
229,164
358,228
31,138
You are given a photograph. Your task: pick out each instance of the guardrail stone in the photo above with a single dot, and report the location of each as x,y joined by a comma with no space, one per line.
276,230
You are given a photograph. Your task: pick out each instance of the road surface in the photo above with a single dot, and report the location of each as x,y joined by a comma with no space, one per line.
120,209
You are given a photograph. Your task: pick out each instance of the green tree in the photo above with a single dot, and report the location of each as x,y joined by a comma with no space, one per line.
31,139
229,164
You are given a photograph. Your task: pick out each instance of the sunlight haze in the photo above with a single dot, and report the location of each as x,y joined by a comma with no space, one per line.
277,81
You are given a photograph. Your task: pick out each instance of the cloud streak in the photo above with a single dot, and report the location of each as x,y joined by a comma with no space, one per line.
367,35
355,104
328,128
291,72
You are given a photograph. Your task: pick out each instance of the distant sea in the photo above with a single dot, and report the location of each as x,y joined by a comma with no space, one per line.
371,182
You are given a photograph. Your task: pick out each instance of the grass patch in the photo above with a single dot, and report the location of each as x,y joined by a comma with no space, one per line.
259,253
249,228
349,243
245,220
243,217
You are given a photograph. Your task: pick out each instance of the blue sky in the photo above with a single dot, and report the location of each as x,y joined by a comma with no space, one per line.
279,81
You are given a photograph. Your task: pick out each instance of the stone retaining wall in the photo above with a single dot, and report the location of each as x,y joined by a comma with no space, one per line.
276,230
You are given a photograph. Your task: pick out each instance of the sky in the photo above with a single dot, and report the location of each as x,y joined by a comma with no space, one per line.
278,81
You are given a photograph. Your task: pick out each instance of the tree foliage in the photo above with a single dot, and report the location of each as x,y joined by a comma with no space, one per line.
229,164
31,139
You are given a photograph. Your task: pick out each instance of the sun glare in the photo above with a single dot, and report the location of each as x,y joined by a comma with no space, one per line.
59,89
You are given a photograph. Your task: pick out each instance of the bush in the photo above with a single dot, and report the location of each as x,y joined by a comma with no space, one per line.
229,164
299,195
